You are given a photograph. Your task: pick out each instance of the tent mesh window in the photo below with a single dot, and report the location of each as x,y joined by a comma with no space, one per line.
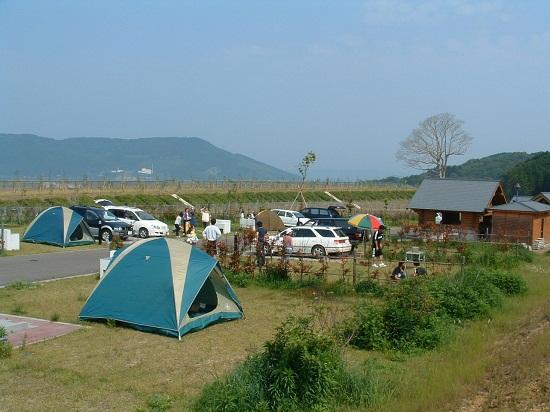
78,234
206,300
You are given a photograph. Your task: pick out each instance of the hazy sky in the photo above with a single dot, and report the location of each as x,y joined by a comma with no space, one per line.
274,79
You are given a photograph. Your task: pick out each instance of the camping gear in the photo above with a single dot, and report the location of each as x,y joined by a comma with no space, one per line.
163,285
365,221
270,220
58,226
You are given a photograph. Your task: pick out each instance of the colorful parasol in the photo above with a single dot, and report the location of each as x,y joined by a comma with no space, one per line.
365,221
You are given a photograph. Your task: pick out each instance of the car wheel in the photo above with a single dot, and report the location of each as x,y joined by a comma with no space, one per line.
106,235
143,233
318,251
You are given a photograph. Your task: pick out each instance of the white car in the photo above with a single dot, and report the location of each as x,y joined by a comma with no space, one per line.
317,241
291,217
143,224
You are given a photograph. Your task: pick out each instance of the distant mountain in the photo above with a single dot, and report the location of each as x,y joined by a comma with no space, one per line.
31,156
533,175
490,167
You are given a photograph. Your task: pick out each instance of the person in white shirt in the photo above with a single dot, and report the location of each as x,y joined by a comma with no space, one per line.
205,217
211,234
177,224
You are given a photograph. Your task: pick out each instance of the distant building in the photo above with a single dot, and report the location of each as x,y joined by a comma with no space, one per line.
478,207
465,204
145,171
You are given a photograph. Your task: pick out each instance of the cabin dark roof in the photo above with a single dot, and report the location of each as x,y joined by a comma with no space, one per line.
521,198
454,195
527,206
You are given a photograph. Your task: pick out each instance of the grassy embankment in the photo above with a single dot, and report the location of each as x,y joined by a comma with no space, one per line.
122,369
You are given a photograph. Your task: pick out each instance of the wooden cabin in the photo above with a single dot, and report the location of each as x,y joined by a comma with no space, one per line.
466,204
523,221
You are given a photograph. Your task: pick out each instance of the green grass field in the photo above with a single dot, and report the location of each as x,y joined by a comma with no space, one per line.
100,368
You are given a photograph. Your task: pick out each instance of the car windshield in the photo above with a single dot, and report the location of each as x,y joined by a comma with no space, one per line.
144,215
298,215
108,216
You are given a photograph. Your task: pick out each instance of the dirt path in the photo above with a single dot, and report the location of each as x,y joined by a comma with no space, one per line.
520,378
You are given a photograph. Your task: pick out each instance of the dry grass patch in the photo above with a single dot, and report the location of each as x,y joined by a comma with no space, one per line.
120,368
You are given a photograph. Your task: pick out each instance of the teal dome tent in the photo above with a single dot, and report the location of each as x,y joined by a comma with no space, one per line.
58,226
163,285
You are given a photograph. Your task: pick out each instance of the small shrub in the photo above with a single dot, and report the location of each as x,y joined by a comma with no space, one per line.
240,391
338,288
366,329
508,283
412,318
370,287
5,345
54,317
299,370
301,367
276,273
116,243
81,297
238,279
496,255
110,323
159,403
18,309
22,285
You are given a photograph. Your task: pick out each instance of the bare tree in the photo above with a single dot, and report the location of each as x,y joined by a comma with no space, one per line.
303,168
430,146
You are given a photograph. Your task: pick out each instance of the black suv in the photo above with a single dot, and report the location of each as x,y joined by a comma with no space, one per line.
331,216
103,223
322,213
355,235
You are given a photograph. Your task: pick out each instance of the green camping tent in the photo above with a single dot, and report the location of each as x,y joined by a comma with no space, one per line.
163,285
58,226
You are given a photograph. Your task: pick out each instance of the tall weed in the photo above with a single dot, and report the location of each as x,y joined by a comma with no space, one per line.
299,370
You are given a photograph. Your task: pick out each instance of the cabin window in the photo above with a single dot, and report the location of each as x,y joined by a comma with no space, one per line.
451,218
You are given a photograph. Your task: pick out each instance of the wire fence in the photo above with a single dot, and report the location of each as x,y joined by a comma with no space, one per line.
46,185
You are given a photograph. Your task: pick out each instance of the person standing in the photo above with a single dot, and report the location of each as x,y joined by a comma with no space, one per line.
205,216
377,252
287,246
186,220
192,222
261,233
211,234
177,224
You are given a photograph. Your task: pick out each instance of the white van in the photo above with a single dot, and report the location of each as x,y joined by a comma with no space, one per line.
291,217
143,224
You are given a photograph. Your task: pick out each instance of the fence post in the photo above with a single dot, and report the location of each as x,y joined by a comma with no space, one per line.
354,268
462,263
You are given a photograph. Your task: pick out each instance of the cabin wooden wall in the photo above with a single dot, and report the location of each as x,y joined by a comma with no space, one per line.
469,221
514,226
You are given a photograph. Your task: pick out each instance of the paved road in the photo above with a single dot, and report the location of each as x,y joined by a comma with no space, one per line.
46,266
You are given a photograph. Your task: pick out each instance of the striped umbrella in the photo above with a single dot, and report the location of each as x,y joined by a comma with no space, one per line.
365,221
